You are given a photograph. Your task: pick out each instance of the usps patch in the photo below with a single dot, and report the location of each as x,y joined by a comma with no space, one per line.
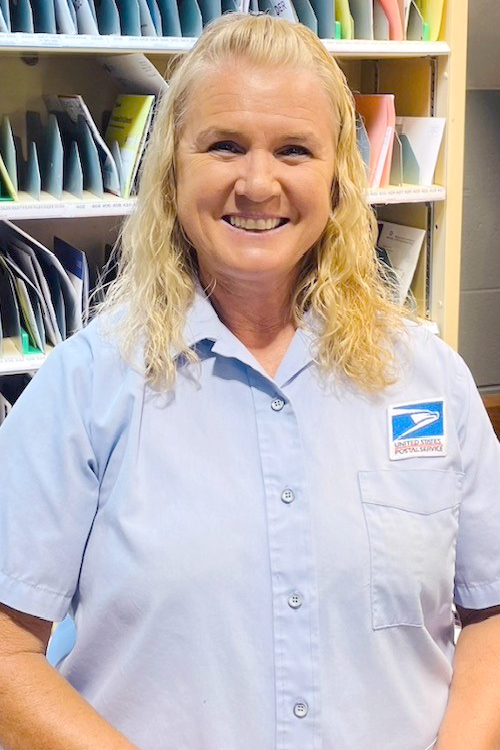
417,430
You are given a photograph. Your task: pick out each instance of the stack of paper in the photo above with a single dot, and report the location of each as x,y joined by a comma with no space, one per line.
43,295
333,19
68,153
396,150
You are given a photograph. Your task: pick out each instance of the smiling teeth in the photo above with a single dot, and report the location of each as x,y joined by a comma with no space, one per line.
241,223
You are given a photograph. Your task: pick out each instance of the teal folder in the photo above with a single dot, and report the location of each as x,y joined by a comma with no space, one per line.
44,16
73,172
155,16
33,177
4,16
92,174
324,10
147,25
191,20
52,159
170,20
210,9
108,18
130,17
22,17
305,14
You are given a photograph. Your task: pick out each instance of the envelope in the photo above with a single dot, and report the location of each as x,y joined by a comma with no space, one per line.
22,17
155,16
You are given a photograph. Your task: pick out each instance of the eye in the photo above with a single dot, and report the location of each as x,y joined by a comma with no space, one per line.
294,151
229,147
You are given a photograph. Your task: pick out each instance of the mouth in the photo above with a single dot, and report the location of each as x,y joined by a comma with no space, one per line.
258,225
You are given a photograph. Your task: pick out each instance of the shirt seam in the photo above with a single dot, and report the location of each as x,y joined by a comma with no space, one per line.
34,586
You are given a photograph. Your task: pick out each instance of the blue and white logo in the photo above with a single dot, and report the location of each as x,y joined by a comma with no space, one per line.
417,429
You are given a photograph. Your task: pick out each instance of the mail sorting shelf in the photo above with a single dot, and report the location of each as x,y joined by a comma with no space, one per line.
426,78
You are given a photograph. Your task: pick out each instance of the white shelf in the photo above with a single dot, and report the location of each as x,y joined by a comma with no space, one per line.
68,208
82,43
13,363
21,363
71,207
406,194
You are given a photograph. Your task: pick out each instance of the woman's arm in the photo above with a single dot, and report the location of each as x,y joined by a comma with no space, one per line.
38,707
472,719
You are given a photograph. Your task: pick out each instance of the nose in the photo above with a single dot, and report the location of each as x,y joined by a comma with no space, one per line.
258,180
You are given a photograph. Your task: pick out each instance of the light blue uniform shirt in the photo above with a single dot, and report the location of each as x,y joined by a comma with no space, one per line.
248,567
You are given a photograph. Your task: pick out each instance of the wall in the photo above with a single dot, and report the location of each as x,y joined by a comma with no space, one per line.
479,341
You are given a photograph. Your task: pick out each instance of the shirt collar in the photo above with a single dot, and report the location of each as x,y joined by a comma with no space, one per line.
203,324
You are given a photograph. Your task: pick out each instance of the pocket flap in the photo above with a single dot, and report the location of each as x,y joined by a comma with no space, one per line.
422,491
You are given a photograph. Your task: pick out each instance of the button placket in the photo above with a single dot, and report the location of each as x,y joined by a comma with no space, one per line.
292,570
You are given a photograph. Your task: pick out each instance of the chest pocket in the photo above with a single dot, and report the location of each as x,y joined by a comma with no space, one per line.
412,524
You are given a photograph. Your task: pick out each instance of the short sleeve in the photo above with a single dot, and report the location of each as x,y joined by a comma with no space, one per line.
477,578
49,485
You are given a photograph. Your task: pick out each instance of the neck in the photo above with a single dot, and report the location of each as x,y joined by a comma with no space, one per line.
259,315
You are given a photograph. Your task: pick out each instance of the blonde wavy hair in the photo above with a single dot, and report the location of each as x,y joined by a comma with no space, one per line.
338,278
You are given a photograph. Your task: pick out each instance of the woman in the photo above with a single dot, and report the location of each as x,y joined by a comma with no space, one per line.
256,488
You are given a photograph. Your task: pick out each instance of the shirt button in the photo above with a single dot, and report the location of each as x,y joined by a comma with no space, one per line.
300,709
287,496
295,601
277,404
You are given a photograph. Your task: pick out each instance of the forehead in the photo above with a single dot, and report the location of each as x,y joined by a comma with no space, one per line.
241,91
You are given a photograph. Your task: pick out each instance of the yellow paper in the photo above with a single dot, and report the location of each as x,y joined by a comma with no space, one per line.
432,11
343,14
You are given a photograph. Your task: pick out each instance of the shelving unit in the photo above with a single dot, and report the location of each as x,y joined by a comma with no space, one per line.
427,79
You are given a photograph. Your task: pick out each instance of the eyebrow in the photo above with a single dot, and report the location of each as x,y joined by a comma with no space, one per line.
222,134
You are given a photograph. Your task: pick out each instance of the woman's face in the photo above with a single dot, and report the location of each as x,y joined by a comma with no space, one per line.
255,166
